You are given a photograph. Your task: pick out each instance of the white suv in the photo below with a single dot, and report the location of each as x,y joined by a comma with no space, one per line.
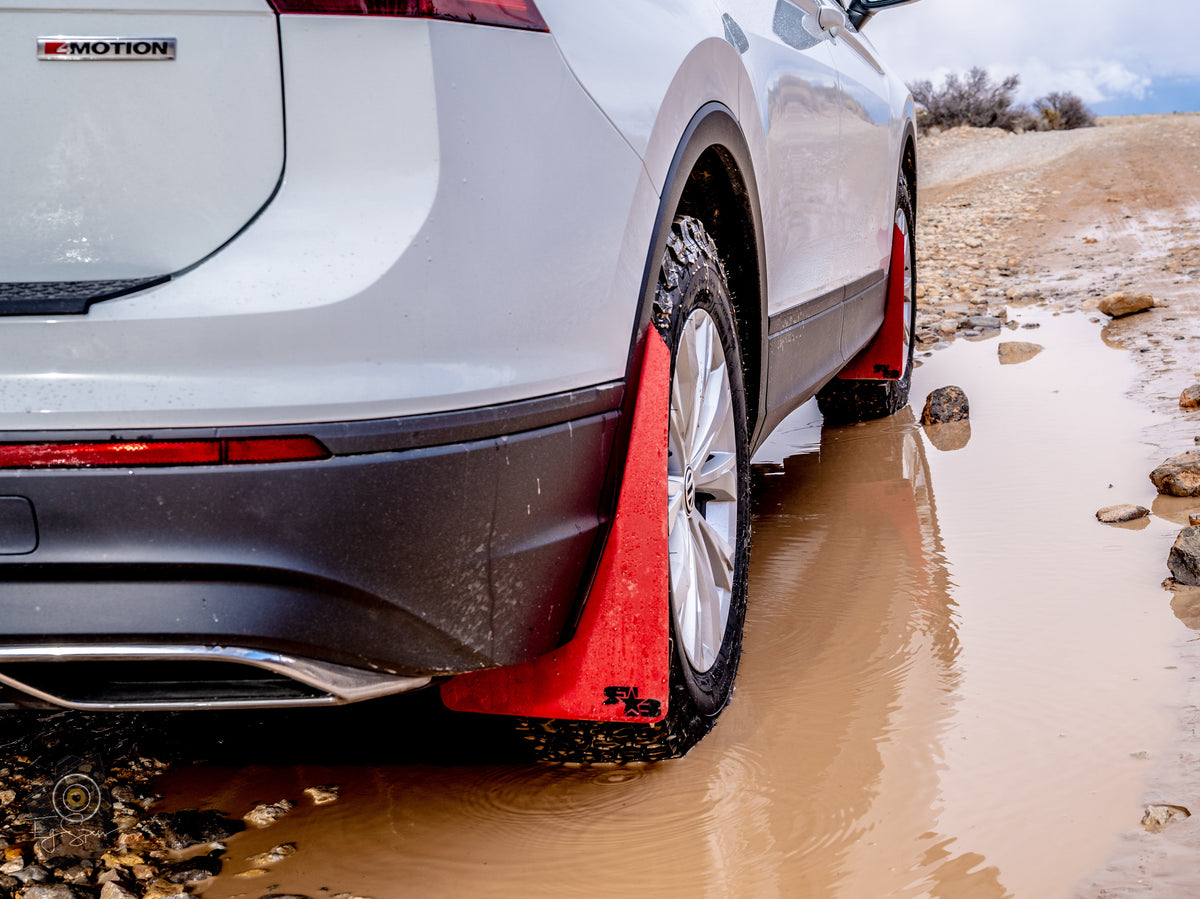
338,337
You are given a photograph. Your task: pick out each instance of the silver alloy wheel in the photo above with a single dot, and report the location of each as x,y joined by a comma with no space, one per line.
702,491
910,286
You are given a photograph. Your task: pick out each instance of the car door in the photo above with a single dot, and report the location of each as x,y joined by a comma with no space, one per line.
794,85
868,176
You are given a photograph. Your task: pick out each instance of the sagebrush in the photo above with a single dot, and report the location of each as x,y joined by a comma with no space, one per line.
977,100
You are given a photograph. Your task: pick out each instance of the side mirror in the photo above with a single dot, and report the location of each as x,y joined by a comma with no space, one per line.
862,10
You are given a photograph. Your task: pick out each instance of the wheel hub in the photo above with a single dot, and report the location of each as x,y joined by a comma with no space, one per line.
702,456
689,491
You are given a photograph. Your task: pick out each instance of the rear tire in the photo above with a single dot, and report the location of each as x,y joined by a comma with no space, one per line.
846,401
708,487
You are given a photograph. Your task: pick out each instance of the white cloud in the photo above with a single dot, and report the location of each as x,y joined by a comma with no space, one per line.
1097,49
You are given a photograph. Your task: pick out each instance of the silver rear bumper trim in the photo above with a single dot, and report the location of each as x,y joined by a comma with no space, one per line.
338,684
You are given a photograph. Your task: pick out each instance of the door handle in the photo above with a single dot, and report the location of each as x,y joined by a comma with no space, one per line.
832,21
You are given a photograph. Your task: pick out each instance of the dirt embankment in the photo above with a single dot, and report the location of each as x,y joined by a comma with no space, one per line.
1060,220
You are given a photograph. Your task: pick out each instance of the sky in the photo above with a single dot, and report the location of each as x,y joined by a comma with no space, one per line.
1121,57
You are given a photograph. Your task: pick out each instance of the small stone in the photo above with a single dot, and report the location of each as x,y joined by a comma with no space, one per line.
1184,559
1179,475
1121,303
323,795
1190,398
266,814
271,856
1194,520
6,797
182,830
112,890
200,868
252,872
1159,816
984,322
32,874
946,404
9,884
1014,352
163,888
1127,512
54,891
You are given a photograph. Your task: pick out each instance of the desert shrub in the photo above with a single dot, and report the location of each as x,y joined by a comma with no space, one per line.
1063,111
975,99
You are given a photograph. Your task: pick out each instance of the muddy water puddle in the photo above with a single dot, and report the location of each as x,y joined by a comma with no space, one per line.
955,682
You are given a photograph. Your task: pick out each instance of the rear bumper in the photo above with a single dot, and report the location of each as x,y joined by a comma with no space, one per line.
394,555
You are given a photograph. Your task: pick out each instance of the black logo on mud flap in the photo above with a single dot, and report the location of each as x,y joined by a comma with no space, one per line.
635,706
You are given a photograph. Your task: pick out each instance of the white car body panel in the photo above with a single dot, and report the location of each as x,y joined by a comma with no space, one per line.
130,169
428,263
352,295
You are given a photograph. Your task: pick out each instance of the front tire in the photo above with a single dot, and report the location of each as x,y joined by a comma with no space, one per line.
708,514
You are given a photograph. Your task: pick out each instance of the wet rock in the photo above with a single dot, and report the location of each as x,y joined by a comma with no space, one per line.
8,883
1159,816
272,856
1126,512
252,872
189,827
83,839
1194,521
32,874
1122,303
266,814
1179,475
1184,560
947,404
1190,398
324,794
1014,352
984,322
161,889
192,869
57,891
282,896
114,890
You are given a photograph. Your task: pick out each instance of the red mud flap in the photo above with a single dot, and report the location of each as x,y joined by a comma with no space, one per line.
883,359
617,666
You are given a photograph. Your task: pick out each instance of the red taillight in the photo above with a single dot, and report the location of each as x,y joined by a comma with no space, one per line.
508,13
136,454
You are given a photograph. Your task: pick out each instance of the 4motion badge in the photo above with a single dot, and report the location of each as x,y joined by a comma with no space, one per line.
107,49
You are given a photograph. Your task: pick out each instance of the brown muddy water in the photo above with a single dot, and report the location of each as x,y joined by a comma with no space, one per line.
955,683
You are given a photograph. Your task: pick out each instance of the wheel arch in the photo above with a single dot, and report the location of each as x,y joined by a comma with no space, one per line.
711,177
908,164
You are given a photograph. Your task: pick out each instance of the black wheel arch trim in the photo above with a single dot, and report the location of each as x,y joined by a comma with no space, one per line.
713,126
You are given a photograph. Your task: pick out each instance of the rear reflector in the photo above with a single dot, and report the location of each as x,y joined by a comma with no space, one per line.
136,454
507,13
